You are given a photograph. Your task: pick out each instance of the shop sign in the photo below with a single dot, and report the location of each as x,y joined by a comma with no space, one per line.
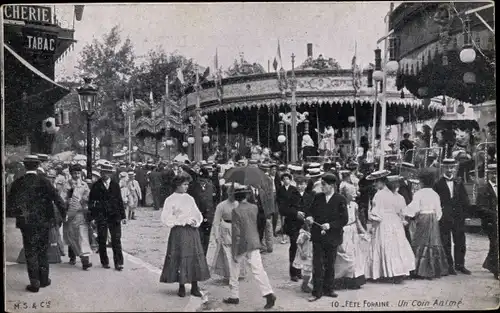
32,14
40,41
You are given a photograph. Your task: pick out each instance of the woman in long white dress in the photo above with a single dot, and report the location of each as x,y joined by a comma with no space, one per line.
426,242
391,254
219,254
350,261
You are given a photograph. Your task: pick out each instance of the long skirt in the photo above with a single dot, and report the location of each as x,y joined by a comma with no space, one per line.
430,257
76,235
391,254
350,261
54,251
185,260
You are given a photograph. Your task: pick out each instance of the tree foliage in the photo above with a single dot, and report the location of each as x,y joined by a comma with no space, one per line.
110,61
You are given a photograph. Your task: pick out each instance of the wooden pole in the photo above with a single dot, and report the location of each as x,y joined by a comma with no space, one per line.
258,128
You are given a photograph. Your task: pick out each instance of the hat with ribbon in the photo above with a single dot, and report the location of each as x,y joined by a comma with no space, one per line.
393,178
123,174
449,162
107,168
265,166
378,175
31,158
42,157
131,173
239,188
314,172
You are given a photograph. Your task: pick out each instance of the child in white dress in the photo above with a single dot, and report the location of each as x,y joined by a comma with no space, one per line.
303,258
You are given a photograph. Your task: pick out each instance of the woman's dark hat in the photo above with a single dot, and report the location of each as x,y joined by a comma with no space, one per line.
75,168
286,175
378,175
329,178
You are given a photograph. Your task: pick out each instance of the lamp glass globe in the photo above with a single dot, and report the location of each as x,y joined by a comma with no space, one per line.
378,76
206,139
281,138
351,119
185,144
234,124
169,142
400,119
191,140
392,66
467,55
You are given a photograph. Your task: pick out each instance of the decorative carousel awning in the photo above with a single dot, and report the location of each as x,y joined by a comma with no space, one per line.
314,88
415,61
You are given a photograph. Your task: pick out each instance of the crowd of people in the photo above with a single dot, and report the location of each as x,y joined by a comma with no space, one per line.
345,223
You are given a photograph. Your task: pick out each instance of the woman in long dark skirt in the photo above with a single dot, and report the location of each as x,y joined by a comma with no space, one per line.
185,261
430,257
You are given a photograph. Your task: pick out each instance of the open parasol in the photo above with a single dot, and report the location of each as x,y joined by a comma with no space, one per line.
255,177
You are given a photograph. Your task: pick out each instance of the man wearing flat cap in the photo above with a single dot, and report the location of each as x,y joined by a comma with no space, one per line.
31,201
455,203
327,217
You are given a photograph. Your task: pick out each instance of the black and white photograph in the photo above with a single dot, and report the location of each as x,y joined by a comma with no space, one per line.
249,156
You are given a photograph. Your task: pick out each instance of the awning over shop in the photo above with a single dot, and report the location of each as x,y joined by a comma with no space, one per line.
53,93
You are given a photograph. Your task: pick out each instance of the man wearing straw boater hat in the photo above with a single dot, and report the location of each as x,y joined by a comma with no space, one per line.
246,244
31,201
487,201
107,209
455,202
327,217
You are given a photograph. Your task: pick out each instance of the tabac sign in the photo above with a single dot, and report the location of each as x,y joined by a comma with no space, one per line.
29,14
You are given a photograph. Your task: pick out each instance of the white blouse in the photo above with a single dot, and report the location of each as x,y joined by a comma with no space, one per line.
179,209
425,201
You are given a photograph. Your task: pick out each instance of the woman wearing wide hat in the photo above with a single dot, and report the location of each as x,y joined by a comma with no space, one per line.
391,254
185,260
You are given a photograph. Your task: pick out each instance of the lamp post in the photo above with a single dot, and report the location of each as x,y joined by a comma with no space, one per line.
284,84
169,143
381,75
282,137
198,152
198,121
87,96
128,110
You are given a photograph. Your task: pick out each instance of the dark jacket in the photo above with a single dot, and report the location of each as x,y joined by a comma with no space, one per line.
487,204
288,205
31,201
106,204
454,208
155,180
334,212
141,177
405,191
245,235
203,193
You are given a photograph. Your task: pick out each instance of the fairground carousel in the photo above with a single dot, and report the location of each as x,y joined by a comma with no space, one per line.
448,49
252,108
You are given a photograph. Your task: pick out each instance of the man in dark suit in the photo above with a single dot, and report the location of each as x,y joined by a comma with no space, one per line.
31,200
455,202
405,189
487,202
156,182
327,217
288,197
406,145
203,193
107,209
141,177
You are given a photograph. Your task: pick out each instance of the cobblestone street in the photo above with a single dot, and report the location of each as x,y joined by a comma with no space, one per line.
138,287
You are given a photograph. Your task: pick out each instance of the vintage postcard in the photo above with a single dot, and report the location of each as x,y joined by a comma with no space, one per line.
241,156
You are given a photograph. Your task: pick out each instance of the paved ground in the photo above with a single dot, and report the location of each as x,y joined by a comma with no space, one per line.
137,287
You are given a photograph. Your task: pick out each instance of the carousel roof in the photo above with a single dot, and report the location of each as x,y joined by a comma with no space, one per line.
243,68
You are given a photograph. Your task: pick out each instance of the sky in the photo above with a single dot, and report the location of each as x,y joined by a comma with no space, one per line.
196,30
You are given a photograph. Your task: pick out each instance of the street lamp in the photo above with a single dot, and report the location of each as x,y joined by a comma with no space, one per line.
169,143
468,54
128,108
87,96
